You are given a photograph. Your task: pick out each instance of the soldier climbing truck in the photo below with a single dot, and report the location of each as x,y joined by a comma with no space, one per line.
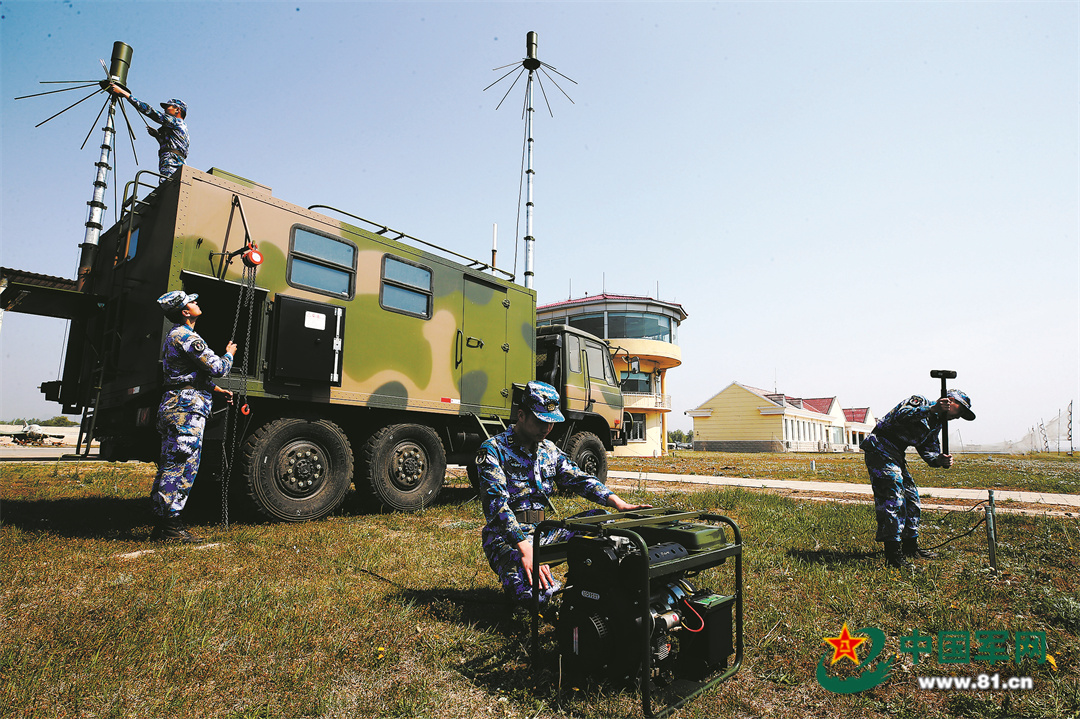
365,355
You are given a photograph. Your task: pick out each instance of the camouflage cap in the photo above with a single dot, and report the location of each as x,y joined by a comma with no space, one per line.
964,401
172,301
175,103
542,400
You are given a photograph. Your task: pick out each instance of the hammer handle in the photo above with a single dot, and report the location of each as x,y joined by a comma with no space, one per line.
945,424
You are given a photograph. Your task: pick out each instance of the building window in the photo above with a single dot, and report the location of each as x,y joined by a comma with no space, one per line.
637,428
639,326
637,382
593,324
321,263
406,287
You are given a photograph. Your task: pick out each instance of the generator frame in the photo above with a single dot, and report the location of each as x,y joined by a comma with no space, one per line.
622,524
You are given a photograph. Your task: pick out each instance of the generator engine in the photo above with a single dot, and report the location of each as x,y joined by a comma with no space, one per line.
603,615
630,614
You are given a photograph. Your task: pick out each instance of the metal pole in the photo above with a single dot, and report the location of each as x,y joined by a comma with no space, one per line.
529,239
991,537
89,245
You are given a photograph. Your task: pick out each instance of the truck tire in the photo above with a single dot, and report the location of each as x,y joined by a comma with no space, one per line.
588,453
298,469
406,466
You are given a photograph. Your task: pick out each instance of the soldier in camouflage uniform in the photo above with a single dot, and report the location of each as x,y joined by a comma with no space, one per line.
915,422
172,136
188,365
518,469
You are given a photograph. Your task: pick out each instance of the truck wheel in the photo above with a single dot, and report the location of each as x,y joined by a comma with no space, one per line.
298,469
406,466
587,452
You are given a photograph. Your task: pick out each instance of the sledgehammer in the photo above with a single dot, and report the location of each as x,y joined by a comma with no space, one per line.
944,374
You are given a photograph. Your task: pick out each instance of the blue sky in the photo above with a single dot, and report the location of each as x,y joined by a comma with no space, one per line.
842,196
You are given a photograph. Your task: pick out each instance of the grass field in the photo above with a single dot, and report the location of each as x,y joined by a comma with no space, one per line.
393,615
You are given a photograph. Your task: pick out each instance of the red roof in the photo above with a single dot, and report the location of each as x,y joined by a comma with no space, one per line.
856,414
820,404
605,297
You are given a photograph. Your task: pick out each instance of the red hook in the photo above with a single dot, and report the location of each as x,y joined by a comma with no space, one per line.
245,409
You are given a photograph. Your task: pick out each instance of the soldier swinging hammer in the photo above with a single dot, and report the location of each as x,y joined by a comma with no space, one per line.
915,422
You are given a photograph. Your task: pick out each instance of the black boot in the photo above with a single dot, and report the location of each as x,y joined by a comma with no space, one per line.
910,546
894,556
171,529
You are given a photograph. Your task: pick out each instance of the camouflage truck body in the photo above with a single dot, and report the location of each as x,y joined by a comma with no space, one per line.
362,356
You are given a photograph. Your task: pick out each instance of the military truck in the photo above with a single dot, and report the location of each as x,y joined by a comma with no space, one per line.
365,355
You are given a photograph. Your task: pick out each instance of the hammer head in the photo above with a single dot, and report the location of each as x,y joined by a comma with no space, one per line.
943,373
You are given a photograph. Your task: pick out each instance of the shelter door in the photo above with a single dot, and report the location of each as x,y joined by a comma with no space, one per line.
480,352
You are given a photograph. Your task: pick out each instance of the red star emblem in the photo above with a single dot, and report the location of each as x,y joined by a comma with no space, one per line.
844,645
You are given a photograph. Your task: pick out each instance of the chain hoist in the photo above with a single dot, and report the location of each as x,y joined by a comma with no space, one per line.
238,404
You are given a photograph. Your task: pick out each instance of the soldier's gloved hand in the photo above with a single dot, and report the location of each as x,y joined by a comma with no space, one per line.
152,131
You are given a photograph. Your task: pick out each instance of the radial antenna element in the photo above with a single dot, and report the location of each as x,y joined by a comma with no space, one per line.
116,73
532,64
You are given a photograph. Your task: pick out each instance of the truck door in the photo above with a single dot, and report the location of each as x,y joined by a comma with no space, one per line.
605,396
481,342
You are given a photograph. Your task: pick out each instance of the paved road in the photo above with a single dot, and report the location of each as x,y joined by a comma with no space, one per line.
975,495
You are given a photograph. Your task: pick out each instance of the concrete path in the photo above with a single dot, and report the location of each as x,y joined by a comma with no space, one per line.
974,495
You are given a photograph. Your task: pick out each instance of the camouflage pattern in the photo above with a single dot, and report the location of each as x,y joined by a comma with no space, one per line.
506,561
172,136
181,418
542,400
477,339
896,498
513,478
171,301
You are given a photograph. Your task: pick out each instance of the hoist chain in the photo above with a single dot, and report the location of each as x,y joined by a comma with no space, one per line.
233,433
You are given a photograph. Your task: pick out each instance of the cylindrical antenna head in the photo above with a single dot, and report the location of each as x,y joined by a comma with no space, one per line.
531,62
121,63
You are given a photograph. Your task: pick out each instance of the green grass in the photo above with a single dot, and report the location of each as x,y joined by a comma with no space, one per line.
394,615
1057,473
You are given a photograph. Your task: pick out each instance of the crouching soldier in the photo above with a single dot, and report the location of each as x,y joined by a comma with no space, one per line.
188,366
518,470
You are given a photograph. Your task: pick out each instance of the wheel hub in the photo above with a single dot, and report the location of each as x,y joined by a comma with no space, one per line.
301,468
409,465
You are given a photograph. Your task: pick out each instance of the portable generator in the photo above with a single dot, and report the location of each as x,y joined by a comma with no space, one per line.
629,614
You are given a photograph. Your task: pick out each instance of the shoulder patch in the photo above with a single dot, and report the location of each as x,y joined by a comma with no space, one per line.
916,401
198,345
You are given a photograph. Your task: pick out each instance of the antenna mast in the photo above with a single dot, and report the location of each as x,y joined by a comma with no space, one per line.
117,74
531,63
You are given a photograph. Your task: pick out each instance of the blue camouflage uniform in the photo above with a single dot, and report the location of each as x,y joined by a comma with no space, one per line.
188,365
172,136
896,498
514,479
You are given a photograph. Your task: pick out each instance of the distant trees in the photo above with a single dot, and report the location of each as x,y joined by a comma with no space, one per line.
677,435
57,421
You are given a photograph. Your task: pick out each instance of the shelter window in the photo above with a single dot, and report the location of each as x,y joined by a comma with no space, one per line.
322,263
406,287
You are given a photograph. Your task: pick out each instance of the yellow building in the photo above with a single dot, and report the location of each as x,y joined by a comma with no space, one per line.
638,328
741,418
